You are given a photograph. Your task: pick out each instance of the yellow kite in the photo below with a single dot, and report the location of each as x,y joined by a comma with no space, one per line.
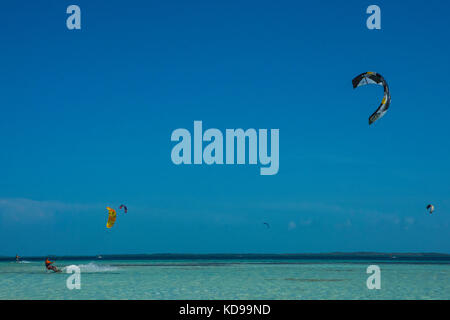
111,218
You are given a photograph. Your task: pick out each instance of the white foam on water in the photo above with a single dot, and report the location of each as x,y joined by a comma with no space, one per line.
93,267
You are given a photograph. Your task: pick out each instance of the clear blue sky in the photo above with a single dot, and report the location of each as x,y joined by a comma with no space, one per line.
86,119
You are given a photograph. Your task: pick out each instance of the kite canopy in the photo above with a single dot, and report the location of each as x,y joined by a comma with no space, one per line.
267,225
111,218
374,78
124,207
430,208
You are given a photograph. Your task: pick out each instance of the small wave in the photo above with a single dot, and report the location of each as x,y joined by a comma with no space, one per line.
24,261
93,267
314,280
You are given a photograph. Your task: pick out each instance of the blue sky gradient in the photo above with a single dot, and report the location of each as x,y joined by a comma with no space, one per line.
86,119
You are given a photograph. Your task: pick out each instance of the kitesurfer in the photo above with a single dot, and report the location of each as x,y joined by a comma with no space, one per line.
17,258
48,265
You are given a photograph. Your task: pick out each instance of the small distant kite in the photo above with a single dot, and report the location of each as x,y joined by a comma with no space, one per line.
111,218
124,207
374,78
430,208
267,225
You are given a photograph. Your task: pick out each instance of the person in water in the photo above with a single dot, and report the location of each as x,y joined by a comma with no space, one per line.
17,258
48,265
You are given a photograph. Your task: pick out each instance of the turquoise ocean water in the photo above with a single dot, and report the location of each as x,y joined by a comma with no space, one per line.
227,279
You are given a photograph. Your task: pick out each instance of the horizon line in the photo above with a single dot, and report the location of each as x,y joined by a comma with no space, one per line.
248,254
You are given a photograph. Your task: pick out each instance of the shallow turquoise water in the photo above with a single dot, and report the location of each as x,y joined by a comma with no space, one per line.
215,279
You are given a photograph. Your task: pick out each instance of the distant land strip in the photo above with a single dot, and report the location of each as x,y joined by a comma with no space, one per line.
428,256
